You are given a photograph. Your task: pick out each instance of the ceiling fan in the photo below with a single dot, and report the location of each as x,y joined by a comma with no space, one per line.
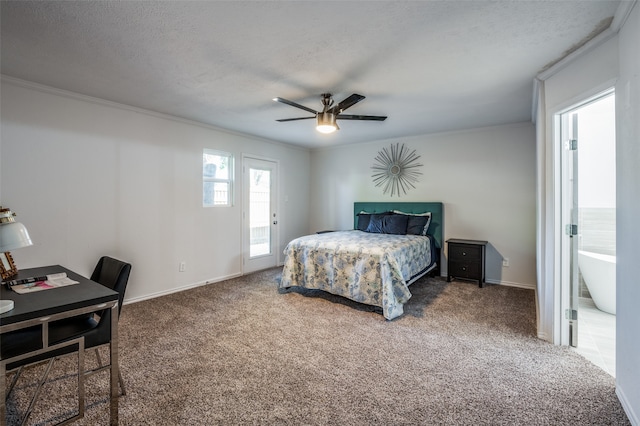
326,119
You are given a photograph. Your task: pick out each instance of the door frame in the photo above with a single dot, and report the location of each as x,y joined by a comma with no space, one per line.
275,231
562,267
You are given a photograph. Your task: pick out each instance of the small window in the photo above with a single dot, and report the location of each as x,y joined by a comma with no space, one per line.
217,178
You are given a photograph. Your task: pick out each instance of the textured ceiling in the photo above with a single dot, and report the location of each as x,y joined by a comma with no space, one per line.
431,66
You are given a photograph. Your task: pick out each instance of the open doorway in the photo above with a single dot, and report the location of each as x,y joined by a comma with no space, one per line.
589,243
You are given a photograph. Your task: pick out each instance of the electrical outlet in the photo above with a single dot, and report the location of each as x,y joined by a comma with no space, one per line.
182,266
505,262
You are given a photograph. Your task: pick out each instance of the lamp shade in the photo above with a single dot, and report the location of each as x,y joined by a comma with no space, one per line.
326,122
13,235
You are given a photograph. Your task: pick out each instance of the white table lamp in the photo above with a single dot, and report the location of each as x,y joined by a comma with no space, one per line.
13,235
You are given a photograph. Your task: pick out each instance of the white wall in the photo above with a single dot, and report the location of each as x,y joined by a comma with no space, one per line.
485,178
616,61
628,227
89,178
597,155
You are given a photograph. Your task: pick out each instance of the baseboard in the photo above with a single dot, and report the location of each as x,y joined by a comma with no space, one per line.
178,289
512,284
215,280
543,336
505,283
628,409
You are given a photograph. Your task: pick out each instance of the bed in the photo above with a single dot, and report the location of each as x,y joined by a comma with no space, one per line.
391,246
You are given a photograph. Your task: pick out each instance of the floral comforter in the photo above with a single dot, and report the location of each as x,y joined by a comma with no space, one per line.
375,269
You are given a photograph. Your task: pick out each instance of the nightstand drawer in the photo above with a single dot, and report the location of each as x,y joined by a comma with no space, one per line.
465,253
465,270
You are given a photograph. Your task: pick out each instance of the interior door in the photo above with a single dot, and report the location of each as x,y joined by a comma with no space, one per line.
260,218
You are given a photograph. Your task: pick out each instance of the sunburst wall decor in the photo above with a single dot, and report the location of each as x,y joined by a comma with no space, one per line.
395,169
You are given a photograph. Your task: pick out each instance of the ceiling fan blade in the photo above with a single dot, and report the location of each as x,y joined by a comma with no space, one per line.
361,117
294,119
348,102
293,104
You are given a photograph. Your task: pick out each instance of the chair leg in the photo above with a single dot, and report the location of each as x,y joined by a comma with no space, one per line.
123,391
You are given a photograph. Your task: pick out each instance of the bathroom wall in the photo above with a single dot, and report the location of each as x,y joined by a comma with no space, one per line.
597,176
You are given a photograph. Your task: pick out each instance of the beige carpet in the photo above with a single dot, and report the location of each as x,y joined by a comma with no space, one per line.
241,352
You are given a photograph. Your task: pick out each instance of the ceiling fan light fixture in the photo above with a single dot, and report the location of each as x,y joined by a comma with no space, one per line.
326,122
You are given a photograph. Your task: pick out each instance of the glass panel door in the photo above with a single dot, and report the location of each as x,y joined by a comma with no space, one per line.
260,214
569,249
572,228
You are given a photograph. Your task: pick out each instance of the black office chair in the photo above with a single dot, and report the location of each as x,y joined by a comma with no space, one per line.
109,272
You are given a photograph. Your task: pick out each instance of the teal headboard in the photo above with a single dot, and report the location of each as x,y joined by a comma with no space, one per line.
437,215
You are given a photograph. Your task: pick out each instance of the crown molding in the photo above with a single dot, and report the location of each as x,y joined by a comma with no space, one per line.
620,17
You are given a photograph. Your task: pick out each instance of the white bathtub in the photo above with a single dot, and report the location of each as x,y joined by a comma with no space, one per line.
599,273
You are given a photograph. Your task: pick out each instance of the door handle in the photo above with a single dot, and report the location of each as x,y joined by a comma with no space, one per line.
275,222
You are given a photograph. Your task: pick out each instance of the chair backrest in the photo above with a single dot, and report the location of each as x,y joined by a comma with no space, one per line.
112,273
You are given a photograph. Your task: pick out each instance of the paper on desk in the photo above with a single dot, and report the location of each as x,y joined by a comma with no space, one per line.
52,281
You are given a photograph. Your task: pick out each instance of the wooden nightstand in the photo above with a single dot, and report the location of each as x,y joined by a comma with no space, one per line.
466,260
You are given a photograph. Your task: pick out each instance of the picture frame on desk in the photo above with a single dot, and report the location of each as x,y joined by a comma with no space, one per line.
7,267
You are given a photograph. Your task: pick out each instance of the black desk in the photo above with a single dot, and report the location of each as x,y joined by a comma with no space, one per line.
41,307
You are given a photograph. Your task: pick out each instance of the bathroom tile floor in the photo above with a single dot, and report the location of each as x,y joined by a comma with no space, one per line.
597,336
